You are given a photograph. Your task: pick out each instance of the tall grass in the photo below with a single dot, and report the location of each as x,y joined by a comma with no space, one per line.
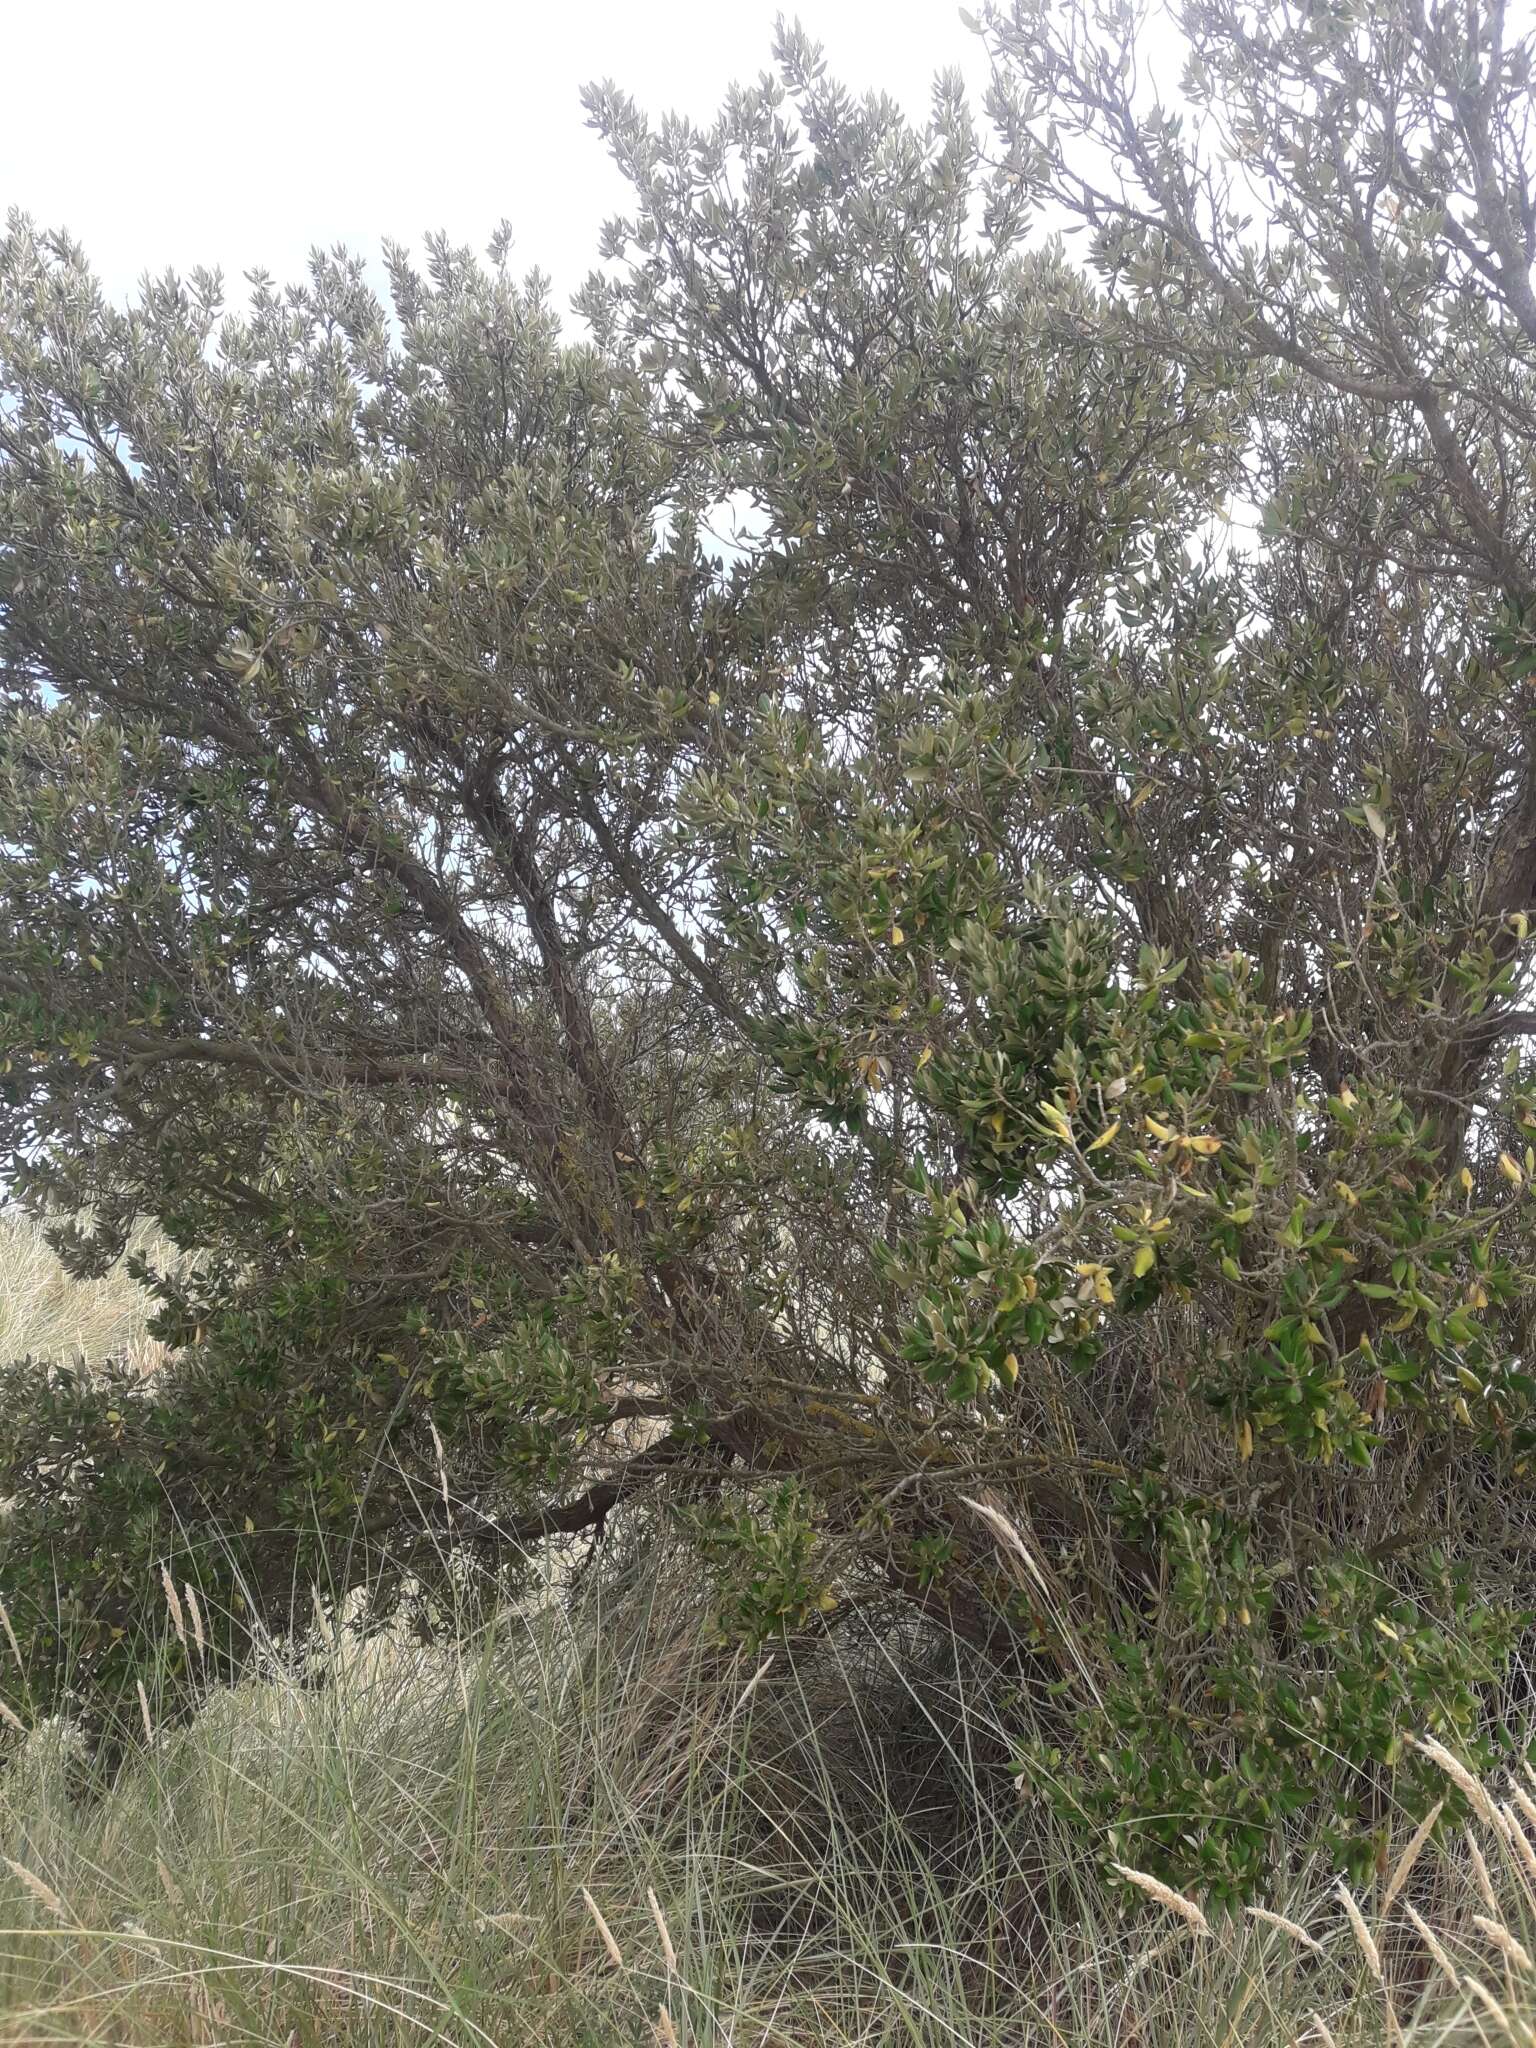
581,1825
45,1313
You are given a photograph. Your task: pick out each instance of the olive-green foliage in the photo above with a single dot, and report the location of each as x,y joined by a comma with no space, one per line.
976,1051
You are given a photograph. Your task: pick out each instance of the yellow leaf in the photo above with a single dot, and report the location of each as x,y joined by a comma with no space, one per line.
827,1601
1051,1115
1245,1439
1160,1131
1206,1146
1105,1137
898,936
1375,820
996,1121
1145,1260
1010,1367
1510,1170
1465,1177
1342,1187
924,1057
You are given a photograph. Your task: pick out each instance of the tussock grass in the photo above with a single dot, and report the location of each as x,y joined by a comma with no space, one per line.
581,1825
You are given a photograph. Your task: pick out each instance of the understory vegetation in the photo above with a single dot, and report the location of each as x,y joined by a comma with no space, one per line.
576,1825
581,1823
856,1206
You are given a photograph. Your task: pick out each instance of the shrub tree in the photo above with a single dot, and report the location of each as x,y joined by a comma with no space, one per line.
968,1045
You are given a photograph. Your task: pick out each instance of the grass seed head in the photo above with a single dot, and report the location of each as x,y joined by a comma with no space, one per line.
1293,1928
1475,1794
1165,1895
1403,1868
1431,1942
1364,1940
173,1602
668,1952
1512,1950
44,1894
605,1932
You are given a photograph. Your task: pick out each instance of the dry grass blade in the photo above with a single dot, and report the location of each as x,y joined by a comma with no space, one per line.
323,1628
752,1684
1318,2029
665,2032
1015,1548
10,1634
442,1467
1009,1537
12,1719
1149,1956
47,1312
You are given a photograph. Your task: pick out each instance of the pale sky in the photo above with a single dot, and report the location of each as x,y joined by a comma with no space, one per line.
166,133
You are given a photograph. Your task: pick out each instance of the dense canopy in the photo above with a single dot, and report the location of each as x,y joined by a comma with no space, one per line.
966,1043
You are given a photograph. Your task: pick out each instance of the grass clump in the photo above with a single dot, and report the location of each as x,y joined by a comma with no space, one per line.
577,1826
580,1822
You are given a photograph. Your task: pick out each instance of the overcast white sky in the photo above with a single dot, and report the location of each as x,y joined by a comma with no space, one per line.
168,133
